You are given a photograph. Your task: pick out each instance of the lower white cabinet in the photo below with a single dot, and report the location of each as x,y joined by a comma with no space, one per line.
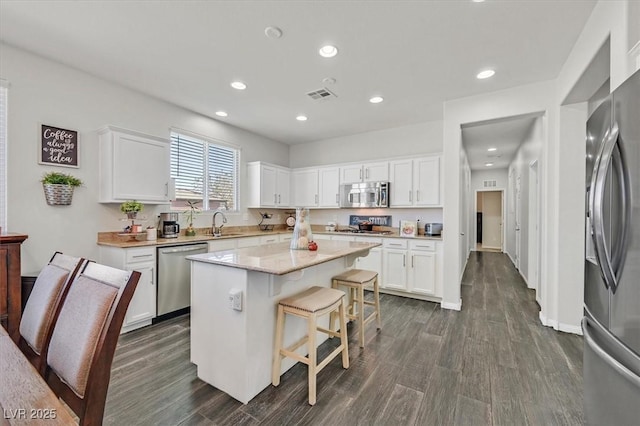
373,261
413,266
220,245
142,308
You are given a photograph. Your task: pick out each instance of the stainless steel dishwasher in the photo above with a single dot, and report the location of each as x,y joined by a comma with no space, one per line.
174,277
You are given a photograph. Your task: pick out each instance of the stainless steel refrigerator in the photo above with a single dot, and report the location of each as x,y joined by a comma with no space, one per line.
611,323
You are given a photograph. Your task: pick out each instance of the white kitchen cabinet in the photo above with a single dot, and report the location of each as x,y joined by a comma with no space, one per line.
285,237
248,242
142,308
269,239
373,261
415,182
329,187
268,185
368,172
394,269
133,166
422,267
220,245
304,183
426,181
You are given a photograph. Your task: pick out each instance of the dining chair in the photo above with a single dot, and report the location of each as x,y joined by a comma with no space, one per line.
43,306
85,336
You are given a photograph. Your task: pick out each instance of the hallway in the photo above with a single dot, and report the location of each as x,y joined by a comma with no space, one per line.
490,364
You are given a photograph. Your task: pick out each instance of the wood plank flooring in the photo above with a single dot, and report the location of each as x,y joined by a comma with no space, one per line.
490,364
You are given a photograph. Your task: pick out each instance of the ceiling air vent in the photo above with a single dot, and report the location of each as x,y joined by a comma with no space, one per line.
321,94
489,183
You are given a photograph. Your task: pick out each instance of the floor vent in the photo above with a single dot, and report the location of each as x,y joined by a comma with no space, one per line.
489,183
321,94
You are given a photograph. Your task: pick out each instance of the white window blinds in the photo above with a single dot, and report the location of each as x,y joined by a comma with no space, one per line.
3,154
201,167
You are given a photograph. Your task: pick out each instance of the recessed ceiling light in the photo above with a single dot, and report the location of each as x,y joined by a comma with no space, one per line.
329,80
488,164
478,1
273,32
492,149
328,51
221,114
301,118
485,74
238,85
376,99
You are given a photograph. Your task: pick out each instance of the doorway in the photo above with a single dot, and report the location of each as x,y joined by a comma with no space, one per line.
489,220
534,229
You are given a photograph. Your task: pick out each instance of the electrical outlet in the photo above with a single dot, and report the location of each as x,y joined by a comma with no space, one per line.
235,299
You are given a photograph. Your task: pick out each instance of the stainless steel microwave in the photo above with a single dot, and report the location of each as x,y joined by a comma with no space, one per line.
364,195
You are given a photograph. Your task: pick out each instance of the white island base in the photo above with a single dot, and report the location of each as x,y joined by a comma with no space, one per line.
233,350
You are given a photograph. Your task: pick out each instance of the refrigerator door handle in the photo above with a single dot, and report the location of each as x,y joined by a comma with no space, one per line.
608,359
601,170
619,160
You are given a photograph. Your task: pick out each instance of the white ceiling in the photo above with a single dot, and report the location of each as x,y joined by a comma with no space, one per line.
505,134
416,54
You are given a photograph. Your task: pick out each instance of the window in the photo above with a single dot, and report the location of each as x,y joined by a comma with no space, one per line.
204,171
3,154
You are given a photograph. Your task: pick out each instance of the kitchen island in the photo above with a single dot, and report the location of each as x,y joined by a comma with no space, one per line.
232,346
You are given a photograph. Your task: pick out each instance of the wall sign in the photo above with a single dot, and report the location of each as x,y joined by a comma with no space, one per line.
58,147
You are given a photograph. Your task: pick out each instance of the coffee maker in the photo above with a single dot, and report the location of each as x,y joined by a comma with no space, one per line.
169,227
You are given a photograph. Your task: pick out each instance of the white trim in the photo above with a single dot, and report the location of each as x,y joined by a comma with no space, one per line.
492,248
524,279
4,152
452,306
568,328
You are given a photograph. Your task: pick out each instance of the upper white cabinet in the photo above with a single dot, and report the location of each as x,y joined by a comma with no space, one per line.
329,187
368,172
304,183
415,182
133,166
268,185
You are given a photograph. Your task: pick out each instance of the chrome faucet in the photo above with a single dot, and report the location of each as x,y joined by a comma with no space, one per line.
217,230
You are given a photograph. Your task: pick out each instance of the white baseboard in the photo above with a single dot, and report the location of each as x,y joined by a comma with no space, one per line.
566,328
492,248
511,258
524,278
452,306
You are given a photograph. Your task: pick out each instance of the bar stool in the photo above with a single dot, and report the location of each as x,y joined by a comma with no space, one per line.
310,304
356,280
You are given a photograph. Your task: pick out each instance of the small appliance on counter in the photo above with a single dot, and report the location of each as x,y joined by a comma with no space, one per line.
433,229
168,225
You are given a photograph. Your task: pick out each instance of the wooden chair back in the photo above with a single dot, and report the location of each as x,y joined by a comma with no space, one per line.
85,337
43,307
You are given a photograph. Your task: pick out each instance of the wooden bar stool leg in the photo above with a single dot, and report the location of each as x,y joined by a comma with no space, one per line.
361,314
332,315
277,359
376,295
343,336
312,358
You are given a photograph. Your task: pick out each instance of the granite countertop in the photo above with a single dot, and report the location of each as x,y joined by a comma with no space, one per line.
279,259
118,239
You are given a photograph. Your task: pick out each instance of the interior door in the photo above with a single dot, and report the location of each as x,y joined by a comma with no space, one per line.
518,221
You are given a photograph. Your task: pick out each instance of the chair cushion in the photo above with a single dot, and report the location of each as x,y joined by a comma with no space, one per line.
358,276
75,337
39,310
313,299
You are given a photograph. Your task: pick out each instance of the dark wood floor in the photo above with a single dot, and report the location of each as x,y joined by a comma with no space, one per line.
491,363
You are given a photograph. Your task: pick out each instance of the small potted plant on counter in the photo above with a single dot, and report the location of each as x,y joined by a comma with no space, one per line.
131,208
190,214
58,188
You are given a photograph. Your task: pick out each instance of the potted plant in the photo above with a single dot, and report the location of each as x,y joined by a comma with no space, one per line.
131,208
190,214
58,188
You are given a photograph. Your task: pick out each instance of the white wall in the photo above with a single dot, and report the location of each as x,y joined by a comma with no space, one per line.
42,91
533,98
477,184
529,151
423,138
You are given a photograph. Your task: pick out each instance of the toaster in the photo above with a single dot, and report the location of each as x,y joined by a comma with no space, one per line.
433,229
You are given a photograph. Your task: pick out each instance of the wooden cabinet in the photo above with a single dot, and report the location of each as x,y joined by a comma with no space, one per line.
329,187
10,283
304,183
268,185
133,166
368,172
415,182
142,308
